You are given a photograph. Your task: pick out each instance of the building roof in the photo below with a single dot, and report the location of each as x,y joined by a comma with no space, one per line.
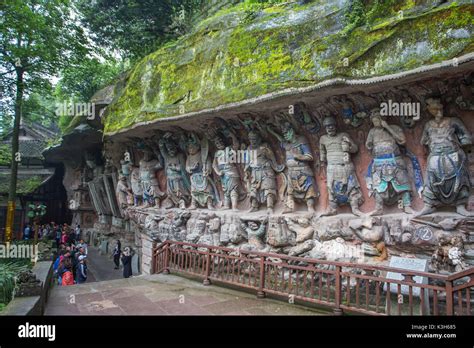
33,139
28,180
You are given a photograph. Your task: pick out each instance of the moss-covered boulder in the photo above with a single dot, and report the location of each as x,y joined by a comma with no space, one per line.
250,50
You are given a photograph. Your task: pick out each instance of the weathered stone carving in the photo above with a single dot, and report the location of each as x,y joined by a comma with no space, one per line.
342,183
148,168
198,165
387,177
177,182
447,176
301,227
449,255
227,170
349,115
124,194
255,231
300,183
137,187
260,173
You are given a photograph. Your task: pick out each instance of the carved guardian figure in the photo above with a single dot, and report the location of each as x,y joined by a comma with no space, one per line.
387,177
343,186
447,179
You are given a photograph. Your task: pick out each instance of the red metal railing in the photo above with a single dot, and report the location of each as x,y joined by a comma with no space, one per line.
342,286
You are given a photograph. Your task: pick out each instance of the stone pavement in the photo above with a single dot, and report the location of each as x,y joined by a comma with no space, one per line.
161,294
101,267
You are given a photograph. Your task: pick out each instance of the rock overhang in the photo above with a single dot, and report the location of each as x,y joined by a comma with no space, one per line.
228,64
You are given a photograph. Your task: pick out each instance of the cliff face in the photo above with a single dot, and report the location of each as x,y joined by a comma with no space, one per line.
249,50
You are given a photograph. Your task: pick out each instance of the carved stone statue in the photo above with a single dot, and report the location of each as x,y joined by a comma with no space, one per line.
137,187
177,183
151,190
447,176
255,233
300,182
387,177
123,192
227,171
262,173
198,165
343,186
126,169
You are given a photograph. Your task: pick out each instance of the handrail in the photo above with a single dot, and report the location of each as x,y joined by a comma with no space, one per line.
352,287
326,262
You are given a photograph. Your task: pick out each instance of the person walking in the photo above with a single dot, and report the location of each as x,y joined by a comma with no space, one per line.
116,254
57,232
78,232
127,263
82,245
27,232
64,237
67,275
81,270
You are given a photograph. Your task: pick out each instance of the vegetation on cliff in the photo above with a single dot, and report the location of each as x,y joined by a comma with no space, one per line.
256,48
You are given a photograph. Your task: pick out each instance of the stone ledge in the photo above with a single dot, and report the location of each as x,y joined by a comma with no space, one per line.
33,305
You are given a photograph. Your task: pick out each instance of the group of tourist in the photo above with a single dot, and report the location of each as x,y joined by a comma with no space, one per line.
63,234
70,267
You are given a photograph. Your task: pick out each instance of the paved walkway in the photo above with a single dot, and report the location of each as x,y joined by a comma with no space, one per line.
101,267
161,294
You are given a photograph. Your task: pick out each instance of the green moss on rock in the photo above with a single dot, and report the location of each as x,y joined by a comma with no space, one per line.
254,49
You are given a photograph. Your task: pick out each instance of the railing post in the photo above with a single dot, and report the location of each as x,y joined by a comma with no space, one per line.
153,260
261,292
166,269
206,280
449,298
337,309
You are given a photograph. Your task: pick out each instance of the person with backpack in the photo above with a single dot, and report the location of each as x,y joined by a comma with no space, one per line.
116,254
67,275
81,270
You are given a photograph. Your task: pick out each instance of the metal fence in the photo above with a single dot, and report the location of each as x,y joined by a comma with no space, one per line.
342,286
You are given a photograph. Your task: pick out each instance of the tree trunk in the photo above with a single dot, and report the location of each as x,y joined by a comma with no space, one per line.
15,158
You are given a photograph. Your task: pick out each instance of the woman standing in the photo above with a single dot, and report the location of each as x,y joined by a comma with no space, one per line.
127,263
116,254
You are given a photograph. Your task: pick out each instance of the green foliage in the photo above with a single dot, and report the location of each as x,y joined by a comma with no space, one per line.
38,38
9,269
227,60
80,80
40,108
137,27
23,186
5,155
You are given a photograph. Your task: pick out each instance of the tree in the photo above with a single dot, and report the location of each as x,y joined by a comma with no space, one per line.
136,27
37,38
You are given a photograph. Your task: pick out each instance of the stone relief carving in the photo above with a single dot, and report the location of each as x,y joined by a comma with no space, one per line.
150,187
199,167
342,183
300,183
278,169
261,173
447,175
177,182
227,170
387,176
